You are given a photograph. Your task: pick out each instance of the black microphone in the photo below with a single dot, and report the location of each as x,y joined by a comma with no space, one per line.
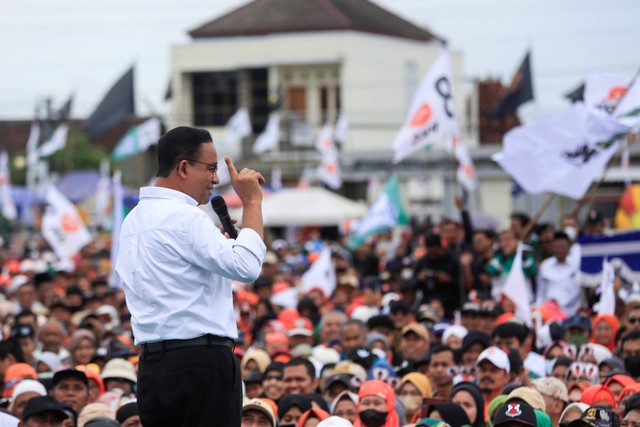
220,207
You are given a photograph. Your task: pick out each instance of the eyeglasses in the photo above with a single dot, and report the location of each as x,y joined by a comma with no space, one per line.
211,167
633,320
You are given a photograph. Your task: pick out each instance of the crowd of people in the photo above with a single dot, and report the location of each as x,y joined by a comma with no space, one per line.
416,332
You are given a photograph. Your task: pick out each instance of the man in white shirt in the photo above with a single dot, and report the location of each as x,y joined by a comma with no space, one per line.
557,276
176,269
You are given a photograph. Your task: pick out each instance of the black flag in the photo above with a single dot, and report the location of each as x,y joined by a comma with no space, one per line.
576,95
116,107
519,92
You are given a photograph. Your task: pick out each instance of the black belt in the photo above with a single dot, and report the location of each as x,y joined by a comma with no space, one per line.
205,340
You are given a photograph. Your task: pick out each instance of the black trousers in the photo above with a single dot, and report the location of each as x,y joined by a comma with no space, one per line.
193,386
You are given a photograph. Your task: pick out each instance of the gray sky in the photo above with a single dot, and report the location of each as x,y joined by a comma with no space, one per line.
56,48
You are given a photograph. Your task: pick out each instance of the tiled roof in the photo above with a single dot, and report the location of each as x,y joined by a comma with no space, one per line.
262,17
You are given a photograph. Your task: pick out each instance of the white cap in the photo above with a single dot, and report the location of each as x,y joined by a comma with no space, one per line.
119,368
261,406
16,282
456,331
27,385
335,422
50,359
497,357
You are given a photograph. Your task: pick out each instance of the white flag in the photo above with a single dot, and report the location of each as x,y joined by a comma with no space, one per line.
563,153
321,274
62,227
137,139
328,172
466,173
103,196
6,198
238,127
32,145
515,288
57,141
270,138
223,172
603,91
118,216
342,129
306,177
432,114
287,298
628,110
607,304
324,142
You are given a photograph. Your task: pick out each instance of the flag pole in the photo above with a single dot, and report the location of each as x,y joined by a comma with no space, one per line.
543,207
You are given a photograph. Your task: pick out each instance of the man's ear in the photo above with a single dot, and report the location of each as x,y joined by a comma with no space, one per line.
182,168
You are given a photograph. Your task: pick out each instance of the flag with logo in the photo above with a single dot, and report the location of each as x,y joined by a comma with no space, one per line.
341,129
628,108
562,153
519,92
386,213
57,141
137,139
621,250
7,204
321,274
324,142
62,227
270,137
328,172
238,127
516,289
466,173
118,217
431,115
603,91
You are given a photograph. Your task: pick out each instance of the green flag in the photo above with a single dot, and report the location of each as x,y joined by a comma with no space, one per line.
385,213
137,139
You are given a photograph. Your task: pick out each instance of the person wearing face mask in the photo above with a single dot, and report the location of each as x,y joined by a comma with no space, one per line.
414,387
377,406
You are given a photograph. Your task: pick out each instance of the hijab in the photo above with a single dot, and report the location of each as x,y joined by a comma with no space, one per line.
300,401
383,390
613,322
472,389
420,381
451,413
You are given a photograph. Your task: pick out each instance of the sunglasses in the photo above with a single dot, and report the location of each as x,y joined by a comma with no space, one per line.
633,320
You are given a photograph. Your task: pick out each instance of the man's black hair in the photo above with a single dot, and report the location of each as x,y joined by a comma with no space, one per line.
561,235
301,361
99,282
633,335
510,330
23,314
380,321
441,348
11,347
488,233
522,217
179,144
632,404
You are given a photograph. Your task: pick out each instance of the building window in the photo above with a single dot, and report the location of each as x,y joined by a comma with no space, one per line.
215,98
259,93
324,105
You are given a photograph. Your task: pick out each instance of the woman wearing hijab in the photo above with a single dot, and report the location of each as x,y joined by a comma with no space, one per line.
345,406
312,417
605,327
598,395
450,413
414,387
572,413
377,405
291,407
254,361
617,383
625,394
469,397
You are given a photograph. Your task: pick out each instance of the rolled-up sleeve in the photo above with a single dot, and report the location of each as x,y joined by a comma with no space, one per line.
240,259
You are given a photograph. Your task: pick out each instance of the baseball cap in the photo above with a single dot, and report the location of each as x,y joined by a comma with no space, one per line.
22,331
470,307
261,406
344,379
301,326
40,404
102,422
417,329
28,385
497,357
119,368
597,417
578,322
515,411
126,411
426,313
69,373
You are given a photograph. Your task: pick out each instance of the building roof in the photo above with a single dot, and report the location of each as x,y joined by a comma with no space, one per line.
261,17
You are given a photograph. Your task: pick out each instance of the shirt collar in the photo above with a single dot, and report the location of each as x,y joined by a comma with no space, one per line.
166,193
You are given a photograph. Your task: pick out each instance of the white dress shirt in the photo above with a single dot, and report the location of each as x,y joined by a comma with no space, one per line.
557,281
176,268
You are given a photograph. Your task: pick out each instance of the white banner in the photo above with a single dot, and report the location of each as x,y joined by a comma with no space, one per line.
515,288
341,129
603,91
432,114
466,173
628,110
562,153
607,304
328,172
62,227
324,142
269,139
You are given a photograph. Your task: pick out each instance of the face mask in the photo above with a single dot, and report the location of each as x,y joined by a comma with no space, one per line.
373,418
571,232
577,340
411,403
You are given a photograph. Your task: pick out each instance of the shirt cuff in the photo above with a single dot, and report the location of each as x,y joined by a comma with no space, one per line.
249,239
